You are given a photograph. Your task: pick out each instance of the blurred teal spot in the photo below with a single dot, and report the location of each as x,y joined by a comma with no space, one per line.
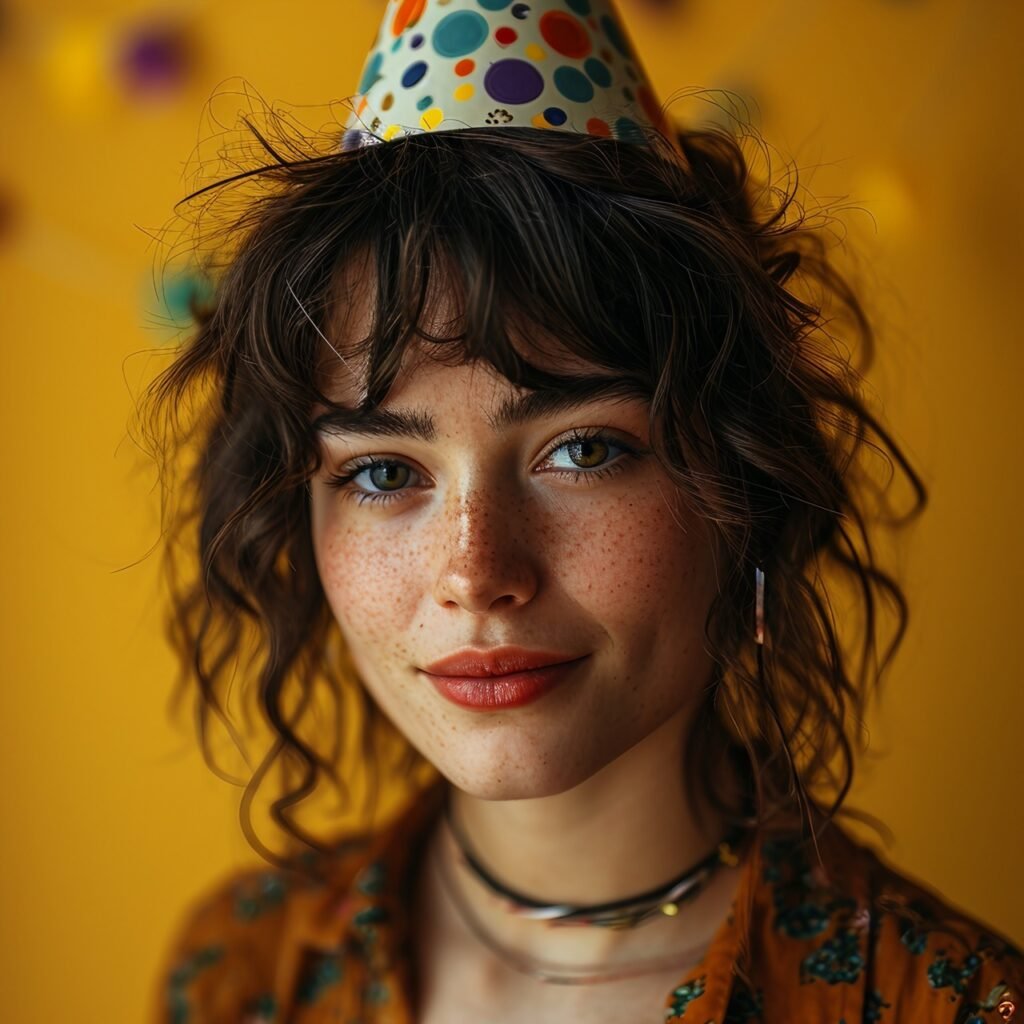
181,291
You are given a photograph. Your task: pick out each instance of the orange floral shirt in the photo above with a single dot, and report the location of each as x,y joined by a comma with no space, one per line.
853,942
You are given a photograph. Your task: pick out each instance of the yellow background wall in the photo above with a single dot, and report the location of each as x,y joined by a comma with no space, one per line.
110,822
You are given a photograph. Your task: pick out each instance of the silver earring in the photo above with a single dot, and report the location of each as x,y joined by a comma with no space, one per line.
759,604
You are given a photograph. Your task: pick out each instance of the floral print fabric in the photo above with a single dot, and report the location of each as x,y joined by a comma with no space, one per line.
844,941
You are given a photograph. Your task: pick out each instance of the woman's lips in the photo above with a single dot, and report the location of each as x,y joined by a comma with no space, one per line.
498,692
495,661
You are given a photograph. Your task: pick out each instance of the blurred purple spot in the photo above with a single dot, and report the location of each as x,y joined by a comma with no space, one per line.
155,58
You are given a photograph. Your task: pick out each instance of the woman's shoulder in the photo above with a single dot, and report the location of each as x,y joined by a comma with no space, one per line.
260,943
941,948
246,935
912,953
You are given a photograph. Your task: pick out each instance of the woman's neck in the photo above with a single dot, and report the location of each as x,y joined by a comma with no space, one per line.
627,829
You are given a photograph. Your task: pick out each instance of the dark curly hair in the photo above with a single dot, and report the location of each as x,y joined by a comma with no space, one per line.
710,295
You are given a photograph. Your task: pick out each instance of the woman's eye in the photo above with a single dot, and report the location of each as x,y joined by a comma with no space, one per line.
380,474
588,452
388,476
588,456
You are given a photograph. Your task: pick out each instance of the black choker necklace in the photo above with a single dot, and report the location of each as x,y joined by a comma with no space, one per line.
626,913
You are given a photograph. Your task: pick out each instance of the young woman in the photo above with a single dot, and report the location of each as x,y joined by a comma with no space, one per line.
521,438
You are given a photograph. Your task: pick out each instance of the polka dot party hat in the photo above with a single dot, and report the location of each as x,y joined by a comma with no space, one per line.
442,65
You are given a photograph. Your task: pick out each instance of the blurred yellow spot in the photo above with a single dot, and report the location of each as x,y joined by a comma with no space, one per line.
886,195
78,68
464,91
535,52
391,131
432,118
540,121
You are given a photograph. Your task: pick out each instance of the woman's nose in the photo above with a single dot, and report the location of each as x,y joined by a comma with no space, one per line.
485,556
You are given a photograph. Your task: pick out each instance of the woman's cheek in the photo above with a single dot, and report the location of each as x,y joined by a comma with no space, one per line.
623,559
370,578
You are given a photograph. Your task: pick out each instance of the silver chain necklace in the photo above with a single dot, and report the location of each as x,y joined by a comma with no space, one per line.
625,913
560,974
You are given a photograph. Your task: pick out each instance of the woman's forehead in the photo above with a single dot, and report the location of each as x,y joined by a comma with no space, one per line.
345,354
432,374
419,369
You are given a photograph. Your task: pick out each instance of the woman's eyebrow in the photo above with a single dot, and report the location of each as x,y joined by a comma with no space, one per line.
418,424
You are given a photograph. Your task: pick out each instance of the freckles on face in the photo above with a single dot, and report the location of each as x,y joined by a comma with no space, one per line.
620,559
483,549
641,567
630,557
367,568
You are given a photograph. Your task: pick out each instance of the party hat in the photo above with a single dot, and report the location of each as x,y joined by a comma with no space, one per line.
442,65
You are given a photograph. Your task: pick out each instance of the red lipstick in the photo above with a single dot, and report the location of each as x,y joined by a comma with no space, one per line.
498,678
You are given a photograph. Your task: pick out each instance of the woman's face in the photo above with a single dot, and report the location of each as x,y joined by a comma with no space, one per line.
481,536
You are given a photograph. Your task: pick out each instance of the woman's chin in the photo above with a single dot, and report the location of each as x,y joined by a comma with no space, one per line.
502,783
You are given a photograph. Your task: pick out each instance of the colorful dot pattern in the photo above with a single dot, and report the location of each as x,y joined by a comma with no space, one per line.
442,65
